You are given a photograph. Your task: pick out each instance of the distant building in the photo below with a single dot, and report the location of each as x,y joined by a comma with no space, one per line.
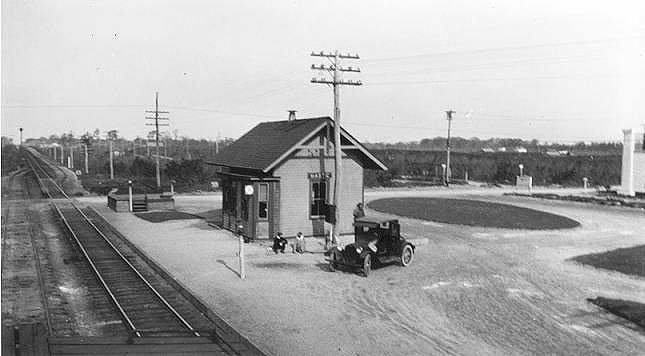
632,178
555,153
488,149
279,177
520,150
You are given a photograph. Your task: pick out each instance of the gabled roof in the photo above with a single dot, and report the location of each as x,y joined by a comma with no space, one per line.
269,143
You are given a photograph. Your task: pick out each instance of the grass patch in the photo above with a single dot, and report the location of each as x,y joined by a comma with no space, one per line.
632,311
630,260
161,216
472,213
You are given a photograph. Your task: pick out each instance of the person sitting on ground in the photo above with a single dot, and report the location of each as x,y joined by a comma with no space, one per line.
358,212
300,243
279,243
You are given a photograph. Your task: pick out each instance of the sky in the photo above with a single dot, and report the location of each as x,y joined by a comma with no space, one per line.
564,71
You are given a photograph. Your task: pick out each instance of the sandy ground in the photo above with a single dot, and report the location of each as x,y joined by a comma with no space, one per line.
469,291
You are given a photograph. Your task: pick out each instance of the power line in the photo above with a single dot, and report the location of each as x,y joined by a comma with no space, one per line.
455,67
66,106
507,48
487,79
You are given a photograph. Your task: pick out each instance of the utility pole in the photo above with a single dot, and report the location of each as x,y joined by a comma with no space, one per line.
449,118
21,137
111,159
188,156
85,140
156,125
336,82
85,149
217,143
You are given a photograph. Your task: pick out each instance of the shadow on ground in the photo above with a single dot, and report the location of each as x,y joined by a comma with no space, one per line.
628,260
626,309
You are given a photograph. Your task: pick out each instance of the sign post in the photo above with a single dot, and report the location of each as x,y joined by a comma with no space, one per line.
241,252
248,190
130,195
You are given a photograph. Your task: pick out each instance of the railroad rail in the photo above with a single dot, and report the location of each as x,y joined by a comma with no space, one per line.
48,185
153,323
142,308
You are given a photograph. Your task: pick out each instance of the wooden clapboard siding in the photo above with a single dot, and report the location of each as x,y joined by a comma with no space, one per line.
294,193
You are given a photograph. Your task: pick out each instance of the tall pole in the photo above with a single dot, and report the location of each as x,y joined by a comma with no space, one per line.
71,155
111,164
21,136
338,154
156,125
449,118
157,170
85,149
336,82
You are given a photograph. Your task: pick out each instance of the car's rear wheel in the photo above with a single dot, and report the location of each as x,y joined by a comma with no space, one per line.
407,254
367,265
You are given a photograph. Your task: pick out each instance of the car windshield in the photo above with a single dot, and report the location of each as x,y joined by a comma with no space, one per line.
367,234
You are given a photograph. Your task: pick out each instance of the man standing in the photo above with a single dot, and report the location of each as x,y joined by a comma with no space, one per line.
359,212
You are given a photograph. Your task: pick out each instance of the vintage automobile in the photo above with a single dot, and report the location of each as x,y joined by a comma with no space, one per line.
375,241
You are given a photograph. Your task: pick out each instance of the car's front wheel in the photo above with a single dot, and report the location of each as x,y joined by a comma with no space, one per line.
367,265
407,254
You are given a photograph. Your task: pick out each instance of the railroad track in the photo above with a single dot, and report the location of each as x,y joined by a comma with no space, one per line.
134,293
142,308
46,178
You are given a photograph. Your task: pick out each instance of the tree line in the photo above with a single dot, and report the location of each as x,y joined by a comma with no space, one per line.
498,167
474,144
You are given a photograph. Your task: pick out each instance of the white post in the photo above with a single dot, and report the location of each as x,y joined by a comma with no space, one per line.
585,183
444,175
521,170
241,252
627,171
130,195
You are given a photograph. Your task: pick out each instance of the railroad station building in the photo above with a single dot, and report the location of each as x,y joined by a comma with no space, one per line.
279,177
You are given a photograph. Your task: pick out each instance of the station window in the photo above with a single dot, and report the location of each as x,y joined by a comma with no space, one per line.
263,201
319,194
230,200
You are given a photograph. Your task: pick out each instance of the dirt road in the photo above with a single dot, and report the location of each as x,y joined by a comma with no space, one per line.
470,291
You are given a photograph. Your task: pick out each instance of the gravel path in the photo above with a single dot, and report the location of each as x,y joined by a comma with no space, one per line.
469,290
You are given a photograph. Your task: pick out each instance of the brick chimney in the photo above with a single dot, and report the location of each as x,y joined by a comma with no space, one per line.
292,115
